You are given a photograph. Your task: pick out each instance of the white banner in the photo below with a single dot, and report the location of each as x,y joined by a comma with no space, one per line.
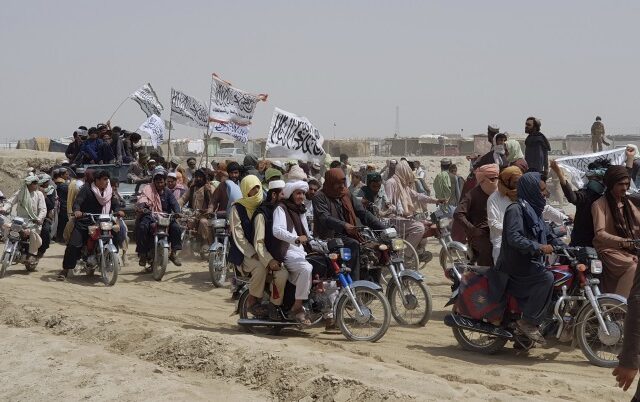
294,136
238,133
148,100
154,126
229,104
576,166
188,110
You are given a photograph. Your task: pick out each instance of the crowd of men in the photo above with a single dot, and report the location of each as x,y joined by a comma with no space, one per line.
274,209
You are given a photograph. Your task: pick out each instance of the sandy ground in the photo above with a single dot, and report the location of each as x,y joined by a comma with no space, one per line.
178,340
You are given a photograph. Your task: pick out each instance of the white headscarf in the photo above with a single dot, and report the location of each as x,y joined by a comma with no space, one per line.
292,186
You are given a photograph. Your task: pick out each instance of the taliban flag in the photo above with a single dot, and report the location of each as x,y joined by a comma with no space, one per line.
148,100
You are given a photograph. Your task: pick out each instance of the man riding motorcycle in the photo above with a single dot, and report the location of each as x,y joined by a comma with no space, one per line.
525,242
242,252
29,204
95,197
156,198
266,246
335,214
291,229
198,198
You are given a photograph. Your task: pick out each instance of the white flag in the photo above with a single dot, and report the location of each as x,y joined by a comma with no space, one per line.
238,133
575,167
229,104
294,136
188,110
148,100
154,126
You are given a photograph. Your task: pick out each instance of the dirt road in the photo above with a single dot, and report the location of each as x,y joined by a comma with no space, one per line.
178,340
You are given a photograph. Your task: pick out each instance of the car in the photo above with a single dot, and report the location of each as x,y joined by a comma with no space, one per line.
230,153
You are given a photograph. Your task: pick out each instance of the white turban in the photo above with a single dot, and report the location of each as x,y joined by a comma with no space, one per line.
275,184
292,186
296,174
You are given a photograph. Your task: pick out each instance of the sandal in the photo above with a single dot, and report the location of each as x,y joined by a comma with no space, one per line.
300,317
62,276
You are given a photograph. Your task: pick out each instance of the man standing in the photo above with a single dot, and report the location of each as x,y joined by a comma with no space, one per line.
497,153
597,135
191,169
73,149
442,183
62,188
472,213
346,167
537,148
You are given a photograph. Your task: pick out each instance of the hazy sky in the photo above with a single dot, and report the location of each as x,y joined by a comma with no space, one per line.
447,65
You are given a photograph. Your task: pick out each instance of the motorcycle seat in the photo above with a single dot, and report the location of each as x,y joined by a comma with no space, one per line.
479,269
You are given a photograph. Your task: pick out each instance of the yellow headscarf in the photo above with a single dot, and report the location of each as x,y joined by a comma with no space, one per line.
250,203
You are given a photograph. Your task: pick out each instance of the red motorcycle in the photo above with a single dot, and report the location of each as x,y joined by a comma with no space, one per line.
578,311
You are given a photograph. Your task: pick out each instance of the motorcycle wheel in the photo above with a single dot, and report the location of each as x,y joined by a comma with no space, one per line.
6,261
600,349
217,269
478,342
110,268
243,311
417,310
160,261
376,315
410,257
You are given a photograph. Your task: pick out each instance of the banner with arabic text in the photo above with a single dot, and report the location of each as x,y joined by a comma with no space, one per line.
295,137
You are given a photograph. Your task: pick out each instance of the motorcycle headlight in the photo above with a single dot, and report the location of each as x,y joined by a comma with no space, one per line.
390,233
14,234
444,223
106,225
398,244
596,266
164,221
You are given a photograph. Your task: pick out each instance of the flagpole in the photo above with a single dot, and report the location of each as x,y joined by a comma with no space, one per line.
169,146
118,108
206,137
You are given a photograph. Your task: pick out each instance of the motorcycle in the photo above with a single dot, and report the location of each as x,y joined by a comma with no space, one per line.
190,237
218,266
361,311
99,251
578,311
160,252
453,255
408,295
16,248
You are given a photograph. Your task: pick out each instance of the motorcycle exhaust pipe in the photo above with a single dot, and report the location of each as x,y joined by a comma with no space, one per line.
457,321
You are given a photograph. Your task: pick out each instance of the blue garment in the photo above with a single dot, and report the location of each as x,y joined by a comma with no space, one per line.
92,148
106,154
233,194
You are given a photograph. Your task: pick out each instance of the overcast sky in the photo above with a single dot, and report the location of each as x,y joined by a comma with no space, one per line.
449,66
